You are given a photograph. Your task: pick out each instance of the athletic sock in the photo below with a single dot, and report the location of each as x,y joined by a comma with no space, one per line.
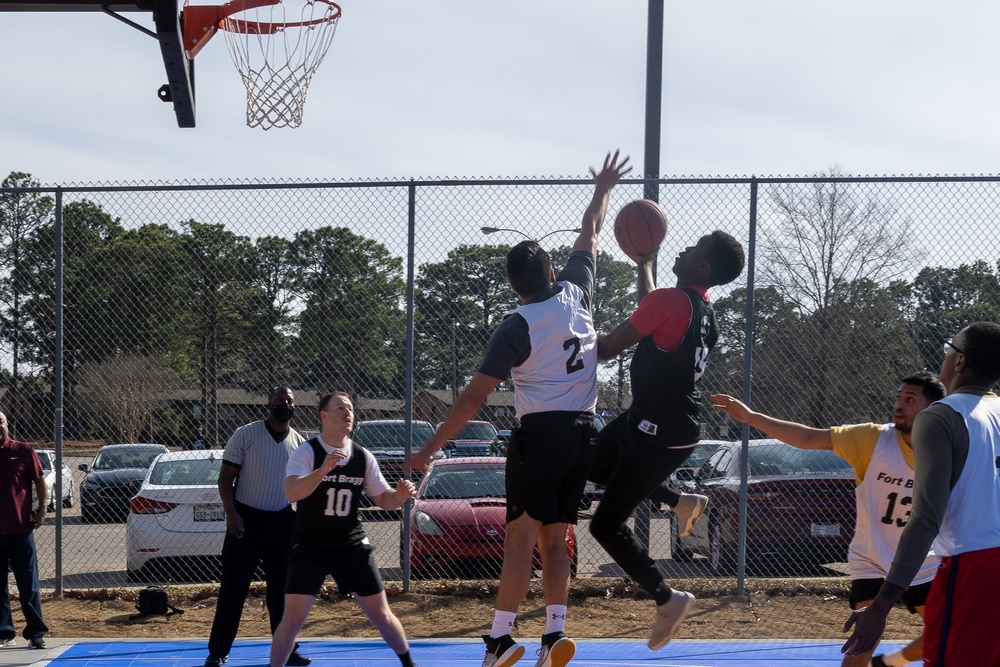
895,659
405,659
555,618
503,622
662,594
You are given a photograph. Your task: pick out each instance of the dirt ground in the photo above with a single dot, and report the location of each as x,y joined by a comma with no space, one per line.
611,608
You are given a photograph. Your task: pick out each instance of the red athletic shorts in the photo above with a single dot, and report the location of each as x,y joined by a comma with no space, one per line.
961,619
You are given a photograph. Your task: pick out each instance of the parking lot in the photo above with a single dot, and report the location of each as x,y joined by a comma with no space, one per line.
93,555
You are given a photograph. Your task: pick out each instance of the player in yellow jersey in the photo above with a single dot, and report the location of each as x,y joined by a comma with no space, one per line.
882,458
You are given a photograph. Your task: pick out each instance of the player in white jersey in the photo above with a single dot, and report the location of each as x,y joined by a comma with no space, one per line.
882,458
956,507
550,347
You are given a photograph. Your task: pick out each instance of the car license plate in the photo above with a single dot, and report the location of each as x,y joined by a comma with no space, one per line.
209,513
825,529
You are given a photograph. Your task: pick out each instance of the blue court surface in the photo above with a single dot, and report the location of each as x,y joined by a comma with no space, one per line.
442,653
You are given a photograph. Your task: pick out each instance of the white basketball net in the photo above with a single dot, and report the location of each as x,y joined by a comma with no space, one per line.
277,50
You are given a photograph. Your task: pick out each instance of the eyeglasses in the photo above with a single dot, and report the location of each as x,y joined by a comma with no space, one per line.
948,344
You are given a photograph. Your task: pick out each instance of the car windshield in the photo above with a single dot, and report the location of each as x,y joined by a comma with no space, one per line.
46,462
699,454
186,472
785,460
390,436
126,457
477,482
480,431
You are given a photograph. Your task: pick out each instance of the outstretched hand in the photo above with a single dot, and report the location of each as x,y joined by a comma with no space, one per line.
731,406
642,260
420,459
611,173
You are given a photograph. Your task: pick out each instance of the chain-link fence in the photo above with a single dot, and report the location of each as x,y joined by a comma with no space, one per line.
163,313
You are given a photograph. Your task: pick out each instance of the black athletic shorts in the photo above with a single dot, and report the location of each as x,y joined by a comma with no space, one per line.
867,589
353,571
548,460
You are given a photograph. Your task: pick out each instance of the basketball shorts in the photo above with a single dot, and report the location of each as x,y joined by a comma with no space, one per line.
865,590
353,571
548,461
961,623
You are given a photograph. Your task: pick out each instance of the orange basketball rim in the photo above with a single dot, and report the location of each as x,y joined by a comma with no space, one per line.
276,49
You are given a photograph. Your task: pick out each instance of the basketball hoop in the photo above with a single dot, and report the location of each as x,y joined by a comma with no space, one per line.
275,52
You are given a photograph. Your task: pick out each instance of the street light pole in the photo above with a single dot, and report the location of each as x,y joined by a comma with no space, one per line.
654,90
651,172
492,230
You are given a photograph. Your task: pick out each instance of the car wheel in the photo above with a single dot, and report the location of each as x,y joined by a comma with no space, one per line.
87,516
720,556
68,500
574,562
677,551
137,576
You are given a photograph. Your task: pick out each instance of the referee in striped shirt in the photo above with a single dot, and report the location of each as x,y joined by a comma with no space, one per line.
259,521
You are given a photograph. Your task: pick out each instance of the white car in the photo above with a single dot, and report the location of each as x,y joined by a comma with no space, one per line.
48,460
176,522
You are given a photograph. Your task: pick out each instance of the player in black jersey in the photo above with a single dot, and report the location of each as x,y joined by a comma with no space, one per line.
326,476
674,330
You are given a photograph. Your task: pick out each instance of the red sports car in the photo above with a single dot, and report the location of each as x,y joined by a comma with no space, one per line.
458,520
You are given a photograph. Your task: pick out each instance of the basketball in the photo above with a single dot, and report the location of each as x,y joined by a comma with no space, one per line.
640,227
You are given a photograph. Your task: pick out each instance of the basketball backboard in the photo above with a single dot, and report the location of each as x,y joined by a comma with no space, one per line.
168,31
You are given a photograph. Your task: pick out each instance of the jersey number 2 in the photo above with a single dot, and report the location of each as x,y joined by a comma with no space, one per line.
573,364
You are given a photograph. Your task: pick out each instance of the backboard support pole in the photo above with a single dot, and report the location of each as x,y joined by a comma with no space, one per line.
179,68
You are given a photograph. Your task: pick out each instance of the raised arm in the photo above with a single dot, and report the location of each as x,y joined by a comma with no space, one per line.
466,406
796,435
644,282
593,217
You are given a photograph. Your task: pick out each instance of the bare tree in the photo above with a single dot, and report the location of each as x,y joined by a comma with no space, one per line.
126,391
828,236
820,243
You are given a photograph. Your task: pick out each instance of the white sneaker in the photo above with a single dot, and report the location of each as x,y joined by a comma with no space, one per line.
687,510
668,618
556,651
8,643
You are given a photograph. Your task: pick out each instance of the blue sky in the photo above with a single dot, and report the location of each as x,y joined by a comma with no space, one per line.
526,88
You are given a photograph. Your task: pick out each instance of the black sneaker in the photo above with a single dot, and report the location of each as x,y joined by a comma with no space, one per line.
296,659
36,642
556,651
501,651
215,661
877,661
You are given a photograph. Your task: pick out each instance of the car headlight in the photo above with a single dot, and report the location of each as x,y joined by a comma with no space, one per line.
427,525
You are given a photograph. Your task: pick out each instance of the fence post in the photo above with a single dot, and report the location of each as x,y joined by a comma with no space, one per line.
57,387
411,214
747,370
